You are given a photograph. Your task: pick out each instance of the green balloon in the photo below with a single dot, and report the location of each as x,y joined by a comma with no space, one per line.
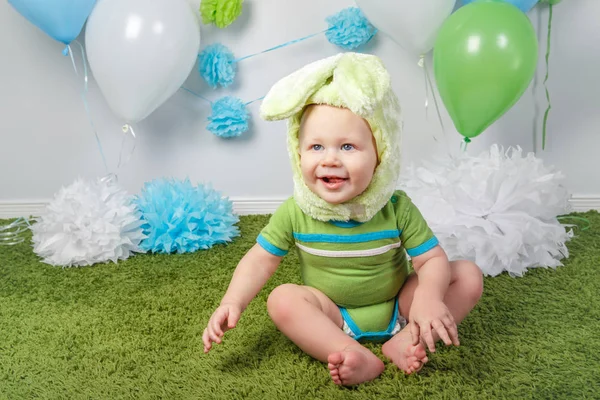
484,58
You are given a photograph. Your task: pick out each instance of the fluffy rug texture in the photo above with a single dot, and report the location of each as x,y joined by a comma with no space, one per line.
133,330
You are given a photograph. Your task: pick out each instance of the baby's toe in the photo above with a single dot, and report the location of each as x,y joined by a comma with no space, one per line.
336,378
335,358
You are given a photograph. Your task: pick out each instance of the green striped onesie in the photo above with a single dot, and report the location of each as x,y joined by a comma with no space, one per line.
359,266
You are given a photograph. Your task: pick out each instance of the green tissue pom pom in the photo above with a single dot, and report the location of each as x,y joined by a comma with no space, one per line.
220,12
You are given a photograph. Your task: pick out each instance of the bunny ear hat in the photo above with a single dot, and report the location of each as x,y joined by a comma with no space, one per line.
360,83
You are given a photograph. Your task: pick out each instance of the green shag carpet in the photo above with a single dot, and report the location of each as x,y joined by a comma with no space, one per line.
133,330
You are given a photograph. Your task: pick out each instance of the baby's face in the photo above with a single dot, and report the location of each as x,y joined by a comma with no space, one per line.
337,153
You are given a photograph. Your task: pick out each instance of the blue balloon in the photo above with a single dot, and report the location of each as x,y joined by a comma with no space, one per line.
523,5
62,20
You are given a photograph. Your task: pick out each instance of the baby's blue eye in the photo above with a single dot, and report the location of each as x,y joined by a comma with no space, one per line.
317,147
347,147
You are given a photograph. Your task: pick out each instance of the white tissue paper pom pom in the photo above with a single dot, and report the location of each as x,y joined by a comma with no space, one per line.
88,223
498,210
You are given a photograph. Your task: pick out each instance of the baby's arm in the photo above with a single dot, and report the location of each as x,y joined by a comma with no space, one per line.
433,270
428,311
251,274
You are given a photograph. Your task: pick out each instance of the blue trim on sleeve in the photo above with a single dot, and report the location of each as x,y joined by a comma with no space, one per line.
423,248
265,244
359,238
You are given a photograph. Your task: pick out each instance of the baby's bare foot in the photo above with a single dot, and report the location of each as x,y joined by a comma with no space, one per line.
408,357
354,365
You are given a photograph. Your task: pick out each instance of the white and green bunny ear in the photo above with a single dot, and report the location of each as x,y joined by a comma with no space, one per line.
356,81
288,96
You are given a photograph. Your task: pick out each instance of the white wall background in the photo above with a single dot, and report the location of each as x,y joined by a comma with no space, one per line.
46,140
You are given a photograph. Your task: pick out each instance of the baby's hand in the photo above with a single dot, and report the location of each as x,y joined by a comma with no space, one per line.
429,315
223,319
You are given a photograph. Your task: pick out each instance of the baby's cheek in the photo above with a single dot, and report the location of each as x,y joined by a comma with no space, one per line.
307,173
307,163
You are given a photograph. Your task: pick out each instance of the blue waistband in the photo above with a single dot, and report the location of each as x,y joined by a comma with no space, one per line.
371,336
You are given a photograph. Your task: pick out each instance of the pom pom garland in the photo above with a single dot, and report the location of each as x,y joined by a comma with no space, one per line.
229,117
88,223
349,28
179,217
216,65
499,209
220,12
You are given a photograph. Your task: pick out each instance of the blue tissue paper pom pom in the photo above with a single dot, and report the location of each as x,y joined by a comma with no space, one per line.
349,28
229,117
179,217
216,65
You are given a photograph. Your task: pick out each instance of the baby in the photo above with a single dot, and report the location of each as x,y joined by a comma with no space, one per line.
354,233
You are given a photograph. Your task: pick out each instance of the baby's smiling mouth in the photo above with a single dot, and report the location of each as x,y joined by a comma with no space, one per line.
332,179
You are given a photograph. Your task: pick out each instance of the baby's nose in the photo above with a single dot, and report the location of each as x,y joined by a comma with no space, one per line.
330,158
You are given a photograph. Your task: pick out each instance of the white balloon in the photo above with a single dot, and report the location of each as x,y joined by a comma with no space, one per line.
195,4
141,52
413,24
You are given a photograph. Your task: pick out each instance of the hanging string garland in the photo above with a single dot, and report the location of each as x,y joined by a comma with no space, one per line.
179,217
217,65
220,12
229,115
347,29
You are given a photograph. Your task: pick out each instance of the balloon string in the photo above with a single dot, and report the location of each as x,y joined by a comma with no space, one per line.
464,144
110,178
435,102
127,129
84,97
566,217
13,233
430,87
422,65
546,78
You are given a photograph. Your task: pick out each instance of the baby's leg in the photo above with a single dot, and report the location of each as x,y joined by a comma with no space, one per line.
464,291
312,321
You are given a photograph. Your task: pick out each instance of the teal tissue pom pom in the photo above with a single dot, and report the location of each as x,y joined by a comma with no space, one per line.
217,66
179,217
349,28
229,117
